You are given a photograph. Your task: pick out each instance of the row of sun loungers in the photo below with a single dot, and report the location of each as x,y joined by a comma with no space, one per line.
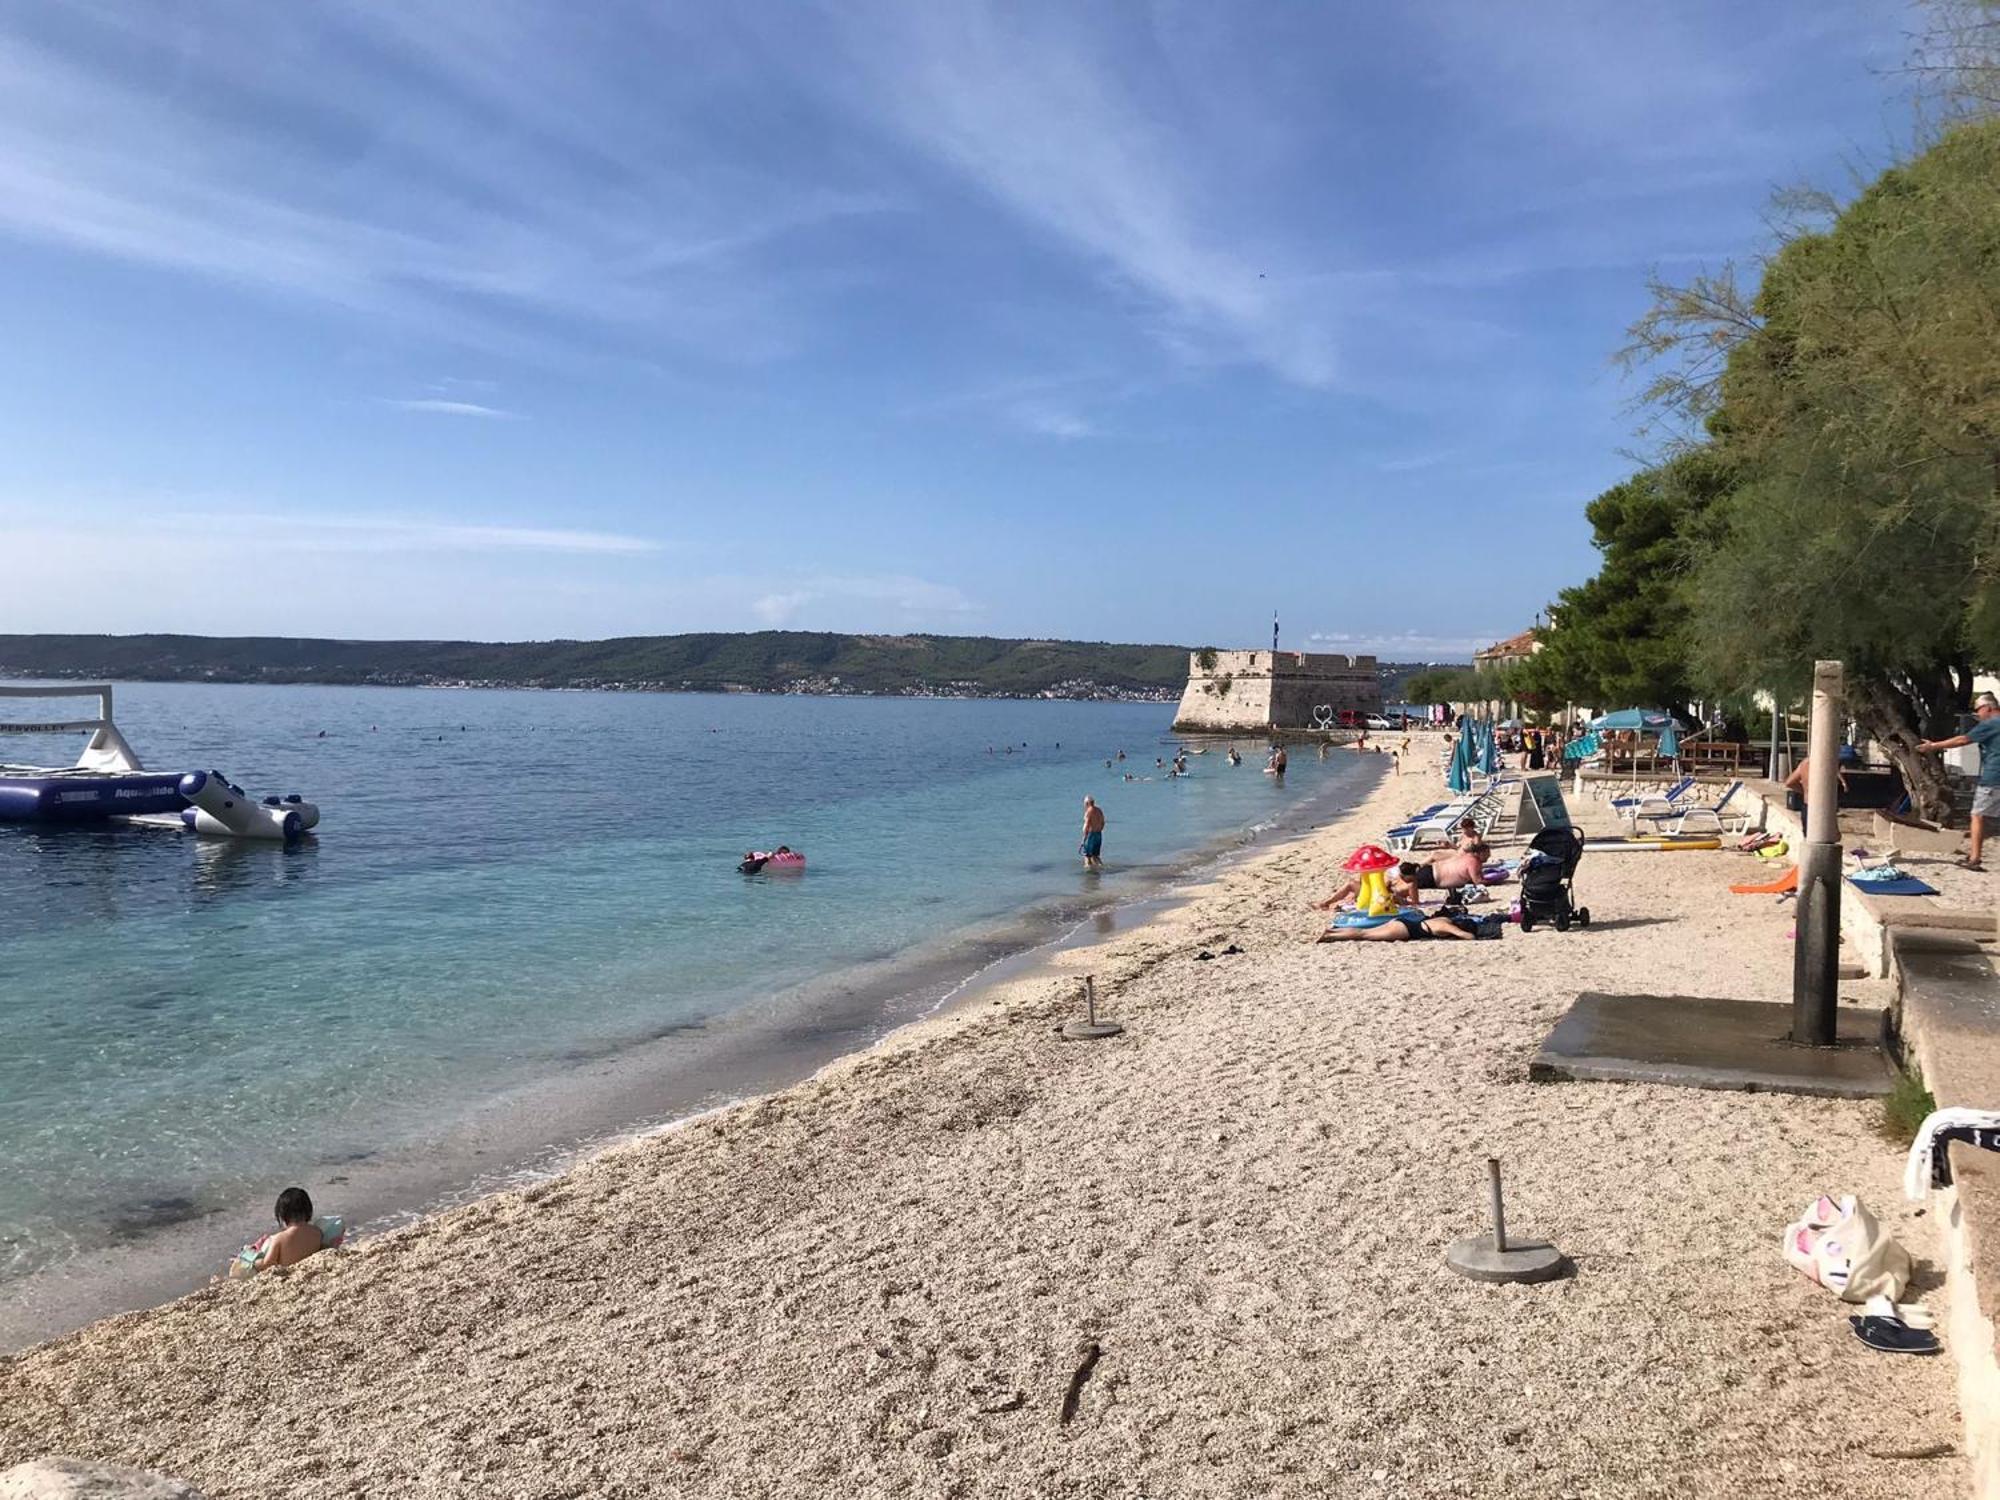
1674,811
1438,823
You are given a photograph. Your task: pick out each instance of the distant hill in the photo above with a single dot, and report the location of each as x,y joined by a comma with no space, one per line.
765,661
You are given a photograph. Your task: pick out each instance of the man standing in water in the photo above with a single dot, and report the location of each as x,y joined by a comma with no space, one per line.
1092,846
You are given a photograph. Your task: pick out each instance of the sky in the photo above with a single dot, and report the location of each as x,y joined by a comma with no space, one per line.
1109,321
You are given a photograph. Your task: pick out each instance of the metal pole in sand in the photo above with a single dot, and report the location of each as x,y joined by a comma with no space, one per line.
1496,1258
1090,1029
1499,1205
1772,773
1816,944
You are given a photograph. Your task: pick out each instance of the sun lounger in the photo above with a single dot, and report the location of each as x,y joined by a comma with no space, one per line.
1655,804
1482,808
1701,818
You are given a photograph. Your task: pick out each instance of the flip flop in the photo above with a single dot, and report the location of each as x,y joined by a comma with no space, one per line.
1977,867
1893,1336
1203,957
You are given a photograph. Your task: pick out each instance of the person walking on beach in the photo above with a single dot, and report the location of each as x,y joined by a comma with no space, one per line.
1092,847
1986,799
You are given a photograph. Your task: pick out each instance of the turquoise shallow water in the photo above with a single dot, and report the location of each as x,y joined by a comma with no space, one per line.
506,883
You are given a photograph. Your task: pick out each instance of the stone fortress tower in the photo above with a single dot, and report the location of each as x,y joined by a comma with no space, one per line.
1252,692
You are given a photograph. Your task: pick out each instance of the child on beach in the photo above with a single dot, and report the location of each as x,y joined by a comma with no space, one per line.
296,1238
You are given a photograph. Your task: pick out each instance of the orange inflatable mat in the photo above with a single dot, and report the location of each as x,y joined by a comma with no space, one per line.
1789,881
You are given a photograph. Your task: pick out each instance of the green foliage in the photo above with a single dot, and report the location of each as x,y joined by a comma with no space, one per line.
1205,658
1454,685
1864,415
1846,503
1905,1107
1622,638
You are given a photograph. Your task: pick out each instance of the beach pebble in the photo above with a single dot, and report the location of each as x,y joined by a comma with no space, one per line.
86,1479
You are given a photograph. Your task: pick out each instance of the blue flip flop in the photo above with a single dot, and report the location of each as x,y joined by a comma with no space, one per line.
1894,1336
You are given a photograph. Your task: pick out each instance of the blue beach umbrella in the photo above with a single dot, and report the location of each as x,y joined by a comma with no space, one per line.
1489,751
1583,746
1670,741
1646,720
1458,773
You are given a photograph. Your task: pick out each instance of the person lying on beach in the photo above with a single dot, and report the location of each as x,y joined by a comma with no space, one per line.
1465,865
297,1238
1412,877
1402,928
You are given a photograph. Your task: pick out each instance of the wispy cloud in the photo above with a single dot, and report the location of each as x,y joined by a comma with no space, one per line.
1411,463
1053,421
1062,406
1034,110
481,170
907,597
1405,646
437,406
324,533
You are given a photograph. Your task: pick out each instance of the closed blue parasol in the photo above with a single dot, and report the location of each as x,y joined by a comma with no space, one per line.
1670,741
1458,773
1489,751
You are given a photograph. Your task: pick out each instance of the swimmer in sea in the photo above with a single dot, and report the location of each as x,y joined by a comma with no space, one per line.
296,1239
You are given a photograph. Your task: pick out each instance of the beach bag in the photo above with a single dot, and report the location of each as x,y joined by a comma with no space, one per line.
1838,1244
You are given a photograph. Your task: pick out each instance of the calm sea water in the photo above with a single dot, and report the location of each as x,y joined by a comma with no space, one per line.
505,883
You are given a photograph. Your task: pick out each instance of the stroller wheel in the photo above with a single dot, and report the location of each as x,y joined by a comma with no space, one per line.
1583,916
1562,921
1527,920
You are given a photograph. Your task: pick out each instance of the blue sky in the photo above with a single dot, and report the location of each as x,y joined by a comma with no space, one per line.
1111,321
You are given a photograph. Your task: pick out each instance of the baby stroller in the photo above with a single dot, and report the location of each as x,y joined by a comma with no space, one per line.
1547,891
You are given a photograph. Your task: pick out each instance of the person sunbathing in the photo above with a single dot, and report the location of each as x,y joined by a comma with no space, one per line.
1404,927
1447,872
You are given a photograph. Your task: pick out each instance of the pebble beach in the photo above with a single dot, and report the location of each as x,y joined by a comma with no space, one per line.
1205,1257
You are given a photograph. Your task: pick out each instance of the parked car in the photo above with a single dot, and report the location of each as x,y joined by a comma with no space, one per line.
1377,721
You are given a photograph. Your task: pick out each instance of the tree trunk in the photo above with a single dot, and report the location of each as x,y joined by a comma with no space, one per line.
1887,717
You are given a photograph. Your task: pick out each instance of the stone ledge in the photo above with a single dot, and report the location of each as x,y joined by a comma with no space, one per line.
1950,1023
88,1479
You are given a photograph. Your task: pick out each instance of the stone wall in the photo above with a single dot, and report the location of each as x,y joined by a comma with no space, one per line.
1247,692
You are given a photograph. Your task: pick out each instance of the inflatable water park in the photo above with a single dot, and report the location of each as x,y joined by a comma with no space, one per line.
109,784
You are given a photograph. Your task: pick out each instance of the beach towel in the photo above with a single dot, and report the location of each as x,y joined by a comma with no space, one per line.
1838,1244
1929,1163
1903,885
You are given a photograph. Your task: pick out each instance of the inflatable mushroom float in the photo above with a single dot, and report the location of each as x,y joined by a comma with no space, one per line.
1372,863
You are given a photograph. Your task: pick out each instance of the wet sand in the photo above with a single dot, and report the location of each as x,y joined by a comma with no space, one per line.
889,1279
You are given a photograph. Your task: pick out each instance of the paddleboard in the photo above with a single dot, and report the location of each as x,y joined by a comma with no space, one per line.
1647,846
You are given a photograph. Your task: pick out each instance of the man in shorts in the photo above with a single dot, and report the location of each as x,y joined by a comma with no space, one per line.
1092,847
1986,799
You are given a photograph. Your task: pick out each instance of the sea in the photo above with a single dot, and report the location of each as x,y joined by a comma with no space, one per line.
519,931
